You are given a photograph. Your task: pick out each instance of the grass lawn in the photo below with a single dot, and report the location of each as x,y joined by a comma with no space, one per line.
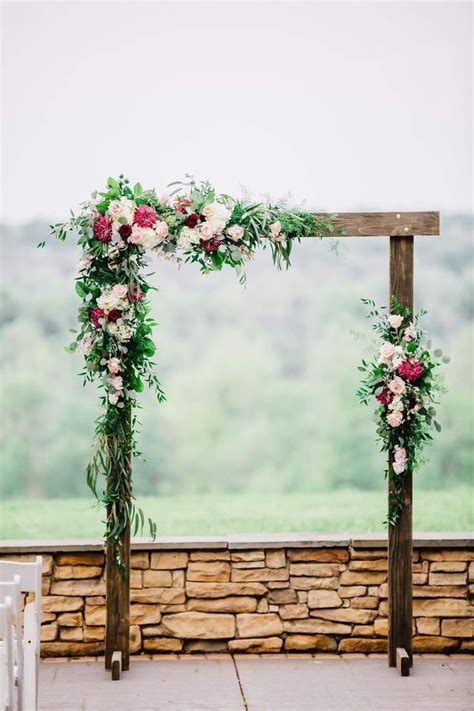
215,514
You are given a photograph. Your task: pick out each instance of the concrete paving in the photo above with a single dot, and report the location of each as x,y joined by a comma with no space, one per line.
260,683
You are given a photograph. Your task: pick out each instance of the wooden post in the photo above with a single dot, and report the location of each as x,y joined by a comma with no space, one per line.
117,630
400,536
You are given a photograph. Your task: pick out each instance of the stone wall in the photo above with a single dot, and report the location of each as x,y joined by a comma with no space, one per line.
248,595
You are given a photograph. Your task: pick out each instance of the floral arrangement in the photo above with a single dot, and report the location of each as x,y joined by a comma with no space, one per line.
404,381
118,228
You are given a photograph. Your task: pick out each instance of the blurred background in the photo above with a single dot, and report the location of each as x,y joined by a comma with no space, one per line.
347,106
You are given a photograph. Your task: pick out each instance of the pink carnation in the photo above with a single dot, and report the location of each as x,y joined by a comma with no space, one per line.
102,229
411,370
96,314
145,216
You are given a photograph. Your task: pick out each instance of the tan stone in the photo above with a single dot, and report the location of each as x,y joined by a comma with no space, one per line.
144,614
262,605
351,591
323,598
447,579
305,642
458,554
71,649
365,603
165,596
224,604
467,646
275,559
318,570
60,603
66,572
169,560
427,625
318,555
273,608
241,556
47,617
97,600
361,644
346,614
293,612
313,626
45,585
259,625
71,634
173,608
442,608
70,619
209,555
277,584
434,644
213,590
458,628
372,590
47,568
282,597
449,566
162,644
470,574
375,564
49,632
217,571
78,587
270,645
135,637
140,560
177,578
79,559
136,579
363,631
352,577
420,578
368,553
94,634
302,596
198,625
95,615
381,627
157,578
249,564
206,646
305,583
456,591
383,608
259,575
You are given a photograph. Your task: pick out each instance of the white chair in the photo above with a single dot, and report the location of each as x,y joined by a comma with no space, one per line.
30,582
8,692
12,590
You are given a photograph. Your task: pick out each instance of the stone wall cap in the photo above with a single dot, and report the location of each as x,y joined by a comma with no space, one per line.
241,541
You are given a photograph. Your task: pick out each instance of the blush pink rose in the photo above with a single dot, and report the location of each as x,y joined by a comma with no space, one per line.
235,232
161,230
117,382
395,418
113,398
395,320
136,236
120,291
397,386
387,350
206,231
113,366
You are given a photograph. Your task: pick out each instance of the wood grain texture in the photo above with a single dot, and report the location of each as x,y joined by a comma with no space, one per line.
400,536
386,224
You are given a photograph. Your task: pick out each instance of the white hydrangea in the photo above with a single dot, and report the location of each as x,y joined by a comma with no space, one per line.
187,237
217,215
120,330
108,301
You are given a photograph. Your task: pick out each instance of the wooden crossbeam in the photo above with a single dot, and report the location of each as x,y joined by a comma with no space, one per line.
386,224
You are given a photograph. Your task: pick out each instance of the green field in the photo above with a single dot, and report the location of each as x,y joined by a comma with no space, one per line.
343,510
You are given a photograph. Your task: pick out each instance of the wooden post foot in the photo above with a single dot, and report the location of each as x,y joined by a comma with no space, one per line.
403,662
116,666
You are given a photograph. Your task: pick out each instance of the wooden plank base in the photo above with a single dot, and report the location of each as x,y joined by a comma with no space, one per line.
116,666
403,662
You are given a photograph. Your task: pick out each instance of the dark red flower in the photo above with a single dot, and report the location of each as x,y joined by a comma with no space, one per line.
125,231
384,397
137,294
95,315
114,314
210,245
145,216
410,370
192,220
102,229
181,204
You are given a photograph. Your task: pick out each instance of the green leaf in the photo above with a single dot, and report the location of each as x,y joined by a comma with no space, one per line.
438,353
81,289
437,426
137,189
446,359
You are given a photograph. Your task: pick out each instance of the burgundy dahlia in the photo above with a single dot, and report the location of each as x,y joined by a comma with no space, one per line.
210,245
114,314
145,216
125,231
102,229
384,397
192,220
410,370
95,315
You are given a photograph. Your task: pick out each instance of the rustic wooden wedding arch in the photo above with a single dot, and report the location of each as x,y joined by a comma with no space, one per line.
401,227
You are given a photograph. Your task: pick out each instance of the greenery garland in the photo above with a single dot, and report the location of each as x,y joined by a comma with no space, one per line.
404,380
116,229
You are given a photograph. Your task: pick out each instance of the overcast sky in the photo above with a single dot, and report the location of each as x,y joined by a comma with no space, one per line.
347,105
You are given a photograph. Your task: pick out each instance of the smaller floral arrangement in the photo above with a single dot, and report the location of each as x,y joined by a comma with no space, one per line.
404,381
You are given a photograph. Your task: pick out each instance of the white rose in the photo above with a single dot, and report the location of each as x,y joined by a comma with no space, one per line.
123,208
148,238
395,321
161,231
235,232
217,215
